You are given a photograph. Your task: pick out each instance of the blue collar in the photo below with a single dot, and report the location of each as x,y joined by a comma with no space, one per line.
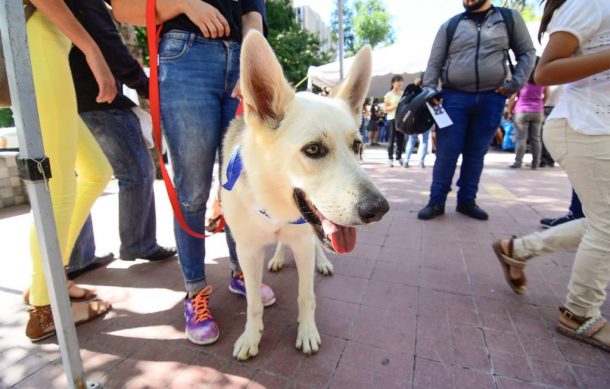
234,169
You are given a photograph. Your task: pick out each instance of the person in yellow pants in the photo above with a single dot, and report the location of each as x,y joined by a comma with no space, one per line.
79,168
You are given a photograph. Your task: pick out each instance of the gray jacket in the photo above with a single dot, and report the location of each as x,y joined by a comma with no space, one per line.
480,63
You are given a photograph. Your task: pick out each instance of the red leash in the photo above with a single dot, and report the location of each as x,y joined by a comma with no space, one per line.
153,32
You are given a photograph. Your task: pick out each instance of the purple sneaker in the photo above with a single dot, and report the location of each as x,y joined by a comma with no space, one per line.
238,286
200,325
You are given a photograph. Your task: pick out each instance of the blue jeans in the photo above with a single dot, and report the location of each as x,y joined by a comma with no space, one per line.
119,135
475,117
83,253
576,206
423,146
196,78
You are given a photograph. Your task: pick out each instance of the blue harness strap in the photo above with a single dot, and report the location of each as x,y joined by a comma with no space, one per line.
234,169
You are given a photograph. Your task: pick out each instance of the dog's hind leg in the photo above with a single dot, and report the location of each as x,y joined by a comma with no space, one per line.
308,337
277,262
251,262
322,263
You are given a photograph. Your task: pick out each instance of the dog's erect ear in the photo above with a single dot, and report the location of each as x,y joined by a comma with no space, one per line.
356,85
265,91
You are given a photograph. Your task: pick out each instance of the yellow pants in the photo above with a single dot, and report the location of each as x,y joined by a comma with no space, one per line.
79,168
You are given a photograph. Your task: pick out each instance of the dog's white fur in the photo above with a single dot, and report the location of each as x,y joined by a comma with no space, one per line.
277,125
324,266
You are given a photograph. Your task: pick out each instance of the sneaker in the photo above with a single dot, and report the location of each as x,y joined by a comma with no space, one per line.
472,210
200,325
555,221
422,165
515,166
431,211
160,254
400,163
533,165
238,286
406,164
390,163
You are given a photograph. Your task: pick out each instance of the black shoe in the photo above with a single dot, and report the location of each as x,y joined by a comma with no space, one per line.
555,221
515,166
158,255
95,264
431,211
472,210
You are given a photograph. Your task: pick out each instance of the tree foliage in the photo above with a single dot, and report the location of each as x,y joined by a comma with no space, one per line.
349,38
525,7
372,24
295,48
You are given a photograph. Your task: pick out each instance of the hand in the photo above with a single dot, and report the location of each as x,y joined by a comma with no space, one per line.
236,94
103,76
436,101
501,90
209,20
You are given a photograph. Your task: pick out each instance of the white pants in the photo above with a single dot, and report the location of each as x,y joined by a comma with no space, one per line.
586,160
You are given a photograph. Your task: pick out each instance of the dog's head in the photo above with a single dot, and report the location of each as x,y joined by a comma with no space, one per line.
313,142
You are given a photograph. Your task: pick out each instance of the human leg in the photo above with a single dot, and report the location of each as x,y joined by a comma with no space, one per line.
586,161
423,147
521,124
479,133
535,126
119,135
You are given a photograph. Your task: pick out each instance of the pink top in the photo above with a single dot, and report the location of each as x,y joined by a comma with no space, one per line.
530,99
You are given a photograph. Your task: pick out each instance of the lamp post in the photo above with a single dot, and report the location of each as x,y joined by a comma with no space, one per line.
340,28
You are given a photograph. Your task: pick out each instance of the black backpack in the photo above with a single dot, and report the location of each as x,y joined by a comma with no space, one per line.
509,21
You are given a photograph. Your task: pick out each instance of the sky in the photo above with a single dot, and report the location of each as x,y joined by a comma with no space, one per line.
413,20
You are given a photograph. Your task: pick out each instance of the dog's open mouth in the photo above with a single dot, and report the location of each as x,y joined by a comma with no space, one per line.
340,239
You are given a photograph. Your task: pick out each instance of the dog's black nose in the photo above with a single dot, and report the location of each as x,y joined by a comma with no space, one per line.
373,209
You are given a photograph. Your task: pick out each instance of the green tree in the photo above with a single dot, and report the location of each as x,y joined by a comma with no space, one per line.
372,24
6,117
295,48
527,8
349,39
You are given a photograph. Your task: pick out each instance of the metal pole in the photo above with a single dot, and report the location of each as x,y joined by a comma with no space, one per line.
341,38
18,66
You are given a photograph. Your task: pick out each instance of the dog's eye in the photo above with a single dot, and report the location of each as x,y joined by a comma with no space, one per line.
315,150
356,146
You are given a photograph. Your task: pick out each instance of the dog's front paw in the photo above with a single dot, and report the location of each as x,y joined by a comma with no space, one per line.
325,268
308,339
247,345
275,264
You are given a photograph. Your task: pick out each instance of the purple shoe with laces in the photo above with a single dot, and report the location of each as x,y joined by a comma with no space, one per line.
238,286
200,325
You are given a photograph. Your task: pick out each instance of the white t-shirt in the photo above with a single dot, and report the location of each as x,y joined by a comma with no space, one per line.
585,104
394,99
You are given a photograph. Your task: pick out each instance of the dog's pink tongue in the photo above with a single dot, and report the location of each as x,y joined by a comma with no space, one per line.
343,239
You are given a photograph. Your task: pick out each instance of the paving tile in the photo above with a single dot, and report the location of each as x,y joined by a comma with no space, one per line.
553,373
541,348
503,341
582,354
264,380
465,378
284,361
431,374
348,377
315,371
593,378
343,288
472,358
513,366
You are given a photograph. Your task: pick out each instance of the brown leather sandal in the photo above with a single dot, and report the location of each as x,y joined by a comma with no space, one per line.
594,330
508,263
41,326
85,295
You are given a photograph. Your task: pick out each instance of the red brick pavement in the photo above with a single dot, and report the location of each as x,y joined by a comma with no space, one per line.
417,304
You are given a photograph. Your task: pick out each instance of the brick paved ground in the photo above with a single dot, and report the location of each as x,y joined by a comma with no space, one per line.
417,304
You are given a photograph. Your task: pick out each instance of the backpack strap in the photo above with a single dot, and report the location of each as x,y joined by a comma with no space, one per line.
509,22
451,27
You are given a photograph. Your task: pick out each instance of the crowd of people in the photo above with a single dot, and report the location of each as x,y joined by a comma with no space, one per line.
89,128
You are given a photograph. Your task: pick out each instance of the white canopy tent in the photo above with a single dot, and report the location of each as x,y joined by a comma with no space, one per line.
408,59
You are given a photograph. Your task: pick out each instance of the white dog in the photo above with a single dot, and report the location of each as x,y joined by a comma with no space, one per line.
290,166
324,266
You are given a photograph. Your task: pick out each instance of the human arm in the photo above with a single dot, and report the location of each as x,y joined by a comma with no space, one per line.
60,15
207,18
511,103
572,25
546,95
95,18
387,105
436,61
557,66
525,54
